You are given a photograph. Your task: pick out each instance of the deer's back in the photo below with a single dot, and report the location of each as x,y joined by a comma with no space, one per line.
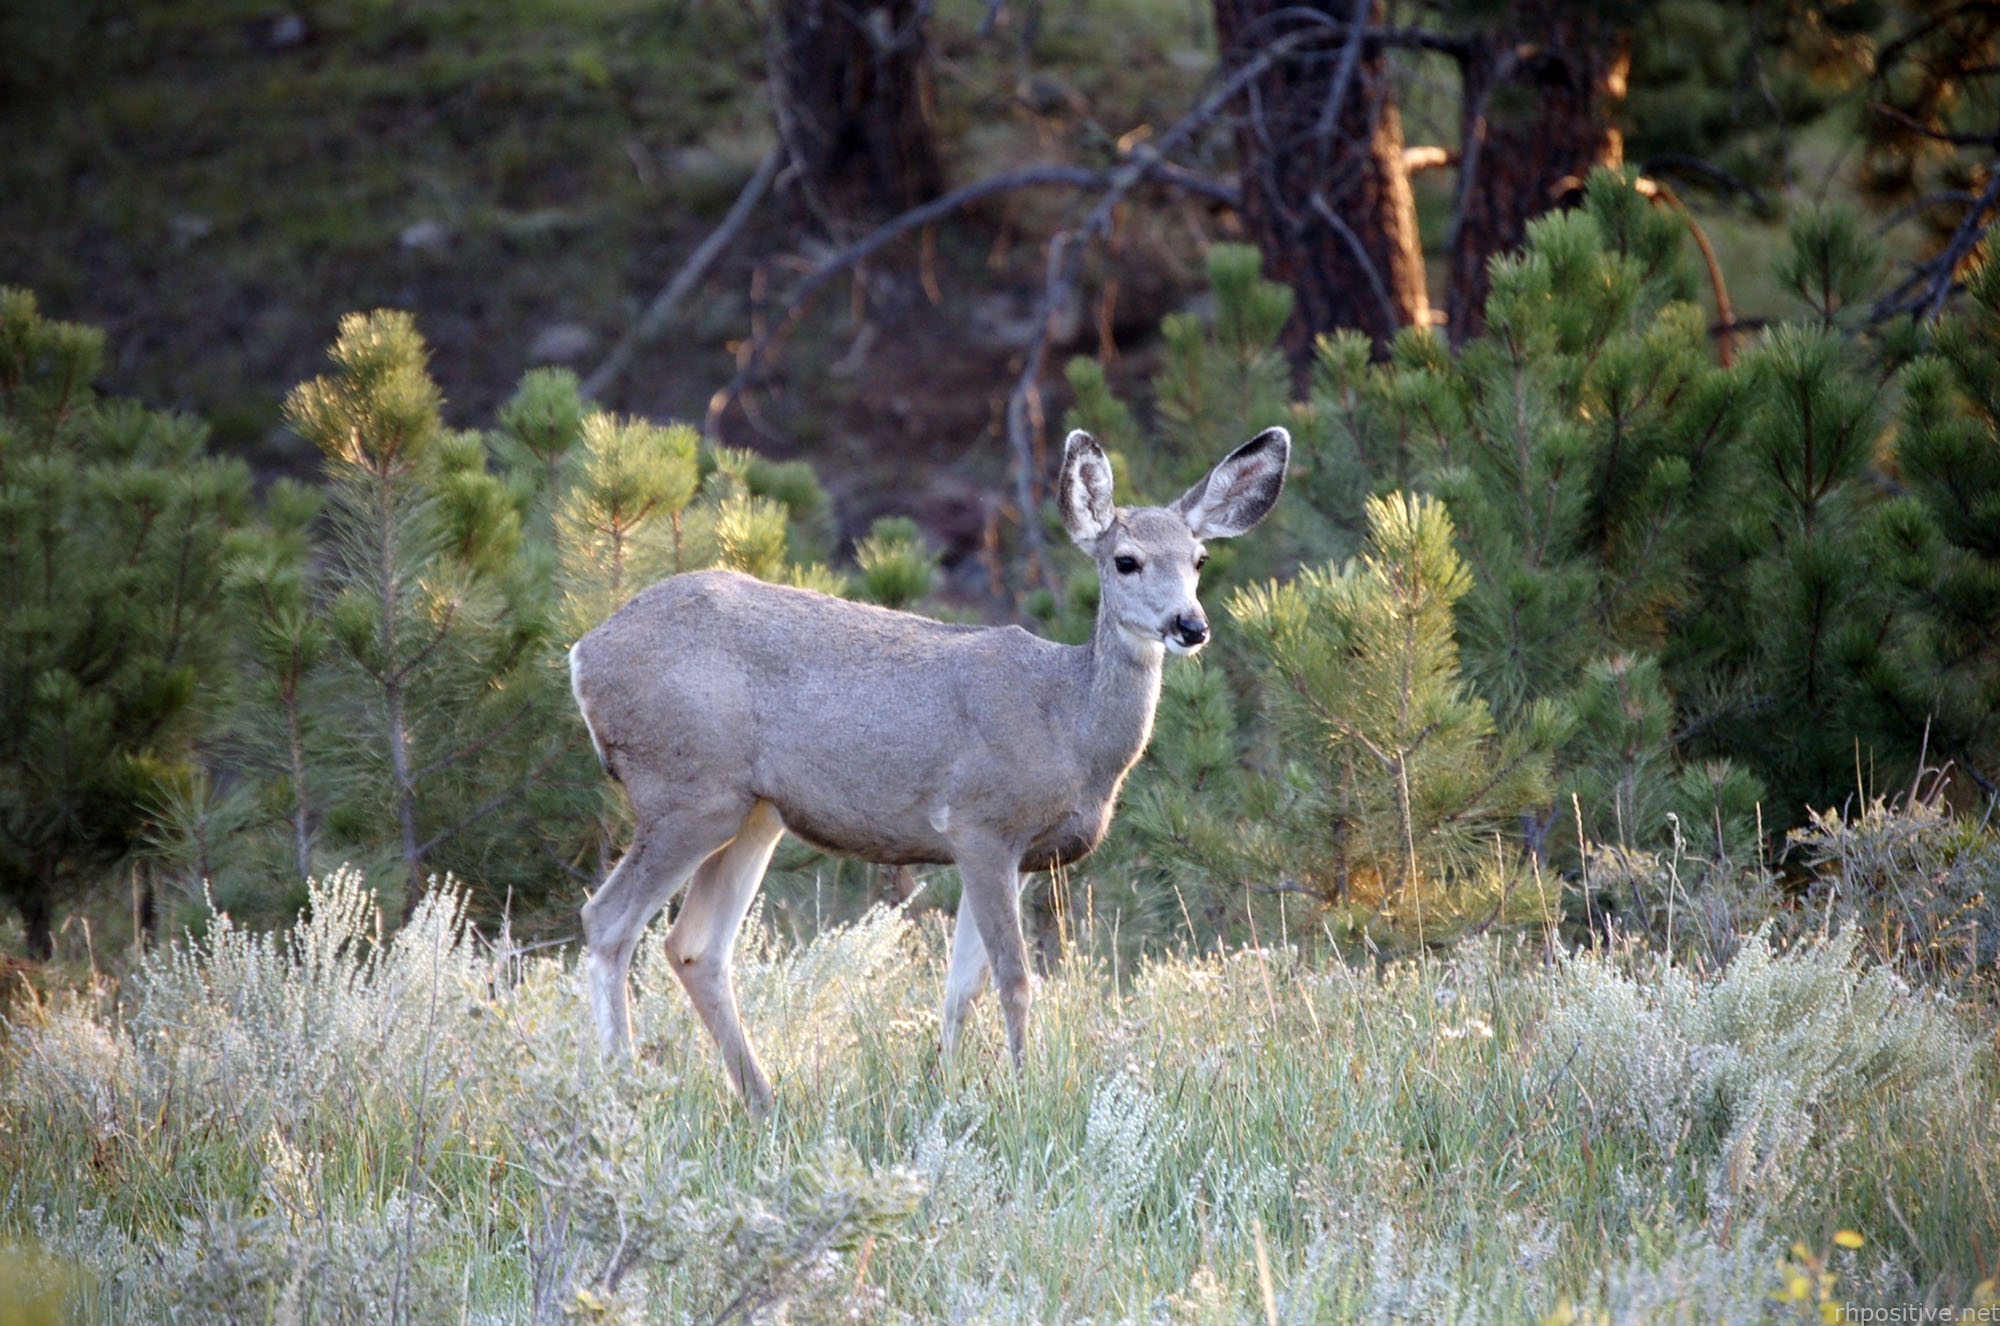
860,724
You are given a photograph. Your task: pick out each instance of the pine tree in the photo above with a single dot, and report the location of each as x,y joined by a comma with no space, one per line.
1195,834
1579,443
623,523
424,611
1939,679
1767,659
1408,779
276,726
897,569
113,521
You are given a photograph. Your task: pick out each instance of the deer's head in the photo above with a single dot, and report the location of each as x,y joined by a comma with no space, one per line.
1149,557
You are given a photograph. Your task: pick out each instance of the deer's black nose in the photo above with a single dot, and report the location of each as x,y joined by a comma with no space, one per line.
1191,631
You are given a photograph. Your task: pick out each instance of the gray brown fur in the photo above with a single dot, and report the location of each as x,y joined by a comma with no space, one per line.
734,710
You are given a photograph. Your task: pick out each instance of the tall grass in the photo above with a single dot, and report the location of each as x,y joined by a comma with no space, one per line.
330,1125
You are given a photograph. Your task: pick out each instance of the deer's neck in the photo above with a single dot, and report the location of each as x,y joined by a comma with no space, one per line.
1119,699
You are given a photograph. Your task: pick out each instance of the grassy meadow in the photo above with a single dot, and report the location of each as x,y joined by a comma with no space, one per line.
327,1125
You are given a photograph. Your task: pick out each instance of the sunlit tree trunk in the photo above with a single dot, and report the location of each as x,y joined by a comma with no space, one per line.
1326,194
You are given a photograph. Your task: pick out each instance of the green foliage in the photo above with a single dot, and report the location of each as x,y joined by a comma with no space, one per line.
1939,677
534,436
113,527
1193,840
1830,264
282,640
897,569
437,638
1574,444
1708,89
1583,447
1189,840
1218,379
1408,778
1790,610
634,479
1688,554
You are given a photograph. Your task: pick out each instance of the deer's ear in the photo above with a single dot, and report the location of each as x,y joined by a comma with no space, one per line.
1085,494
1237,493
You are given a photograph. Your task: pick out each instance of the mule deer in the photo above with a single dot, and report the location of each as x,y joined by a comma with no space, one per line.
733,710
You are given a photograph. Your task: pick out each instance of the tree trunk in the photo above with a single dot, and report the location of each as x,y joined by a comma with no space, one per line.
145,908
851,88
41,937
1326,194
1535,117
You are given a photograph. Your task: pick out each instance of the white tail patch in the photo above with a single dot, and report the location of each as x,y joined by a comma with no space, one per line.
576,690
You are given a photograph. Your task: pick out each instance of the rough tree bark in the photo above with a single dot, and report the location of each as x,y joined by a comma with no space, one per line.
1326,193
1540,88
37,929
850,84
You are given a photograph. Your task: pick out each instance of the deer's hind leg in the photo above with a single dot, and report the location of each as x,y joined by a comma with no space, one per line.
965,978
702,944
673,837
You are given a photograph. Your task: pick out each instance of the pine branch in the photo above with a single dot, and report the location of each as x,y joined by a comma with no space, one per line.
498,801
478,744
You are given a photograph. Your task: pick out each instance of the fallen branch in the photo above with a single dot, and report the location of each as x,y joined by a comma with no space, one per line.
1075,177
654,319
1725,313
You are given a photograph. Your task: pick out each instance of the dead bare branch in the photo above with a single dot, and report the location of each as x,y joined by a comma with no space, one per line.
1336,93
1360,252
662,307
1923,293
1917,126
1074,177
1023,403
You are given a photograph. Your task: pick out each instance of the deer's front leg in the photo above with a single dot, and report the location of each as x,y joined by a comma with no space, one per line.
991,874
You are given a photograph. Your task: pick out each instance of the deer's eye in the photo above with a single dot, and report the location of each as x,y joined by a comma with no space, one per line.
1126,564
1201,559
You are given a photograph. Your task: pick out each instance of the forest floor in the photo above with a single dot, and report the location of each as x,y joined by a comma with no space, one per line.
216,183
